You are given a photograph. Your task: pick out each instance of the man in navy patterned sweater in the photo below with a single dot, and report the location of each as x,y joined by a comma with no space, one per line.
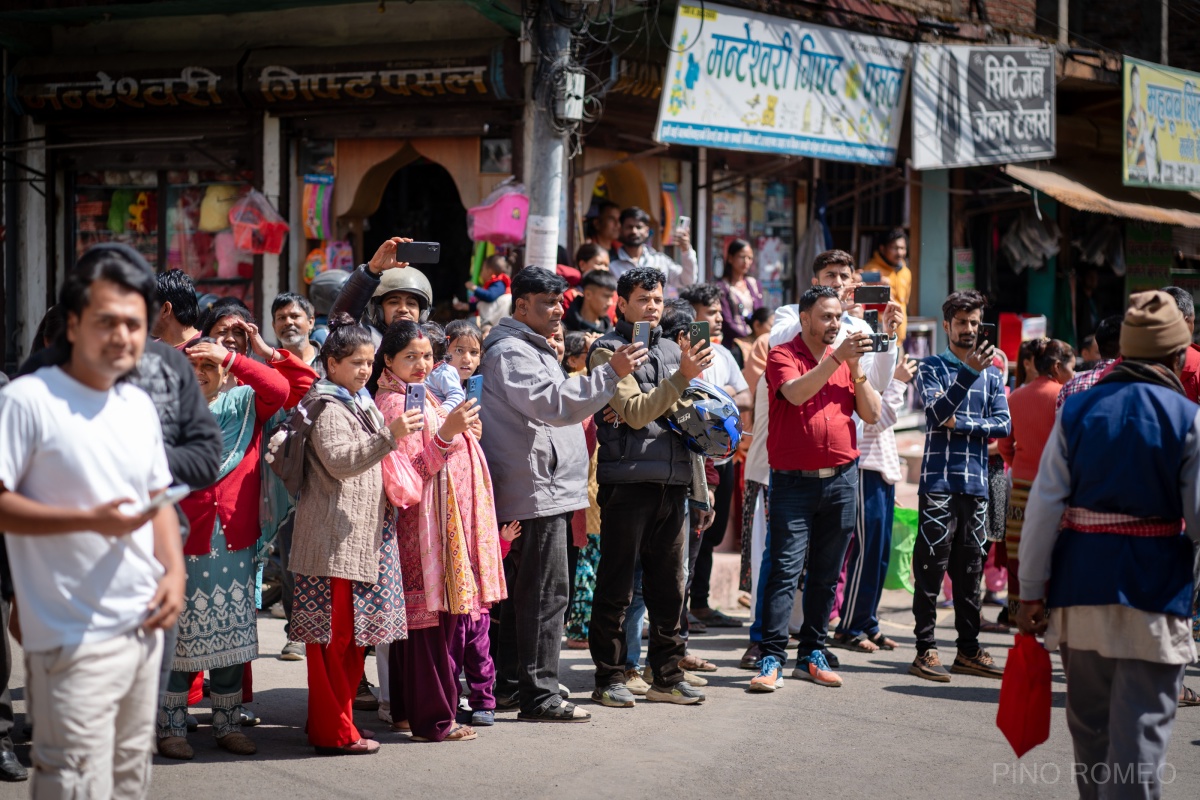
964,407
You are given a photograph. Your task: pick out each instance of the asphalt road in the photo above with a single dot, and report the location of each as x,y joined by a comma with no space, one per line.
884,734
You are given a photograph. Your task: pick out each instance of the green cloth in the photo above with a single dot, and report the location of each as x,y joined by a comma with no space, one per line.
904,537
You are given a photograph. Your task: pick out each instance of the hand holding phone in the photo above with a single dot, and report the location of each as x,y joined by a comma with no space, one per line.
641,333
699,332
987,333
419,252
475,388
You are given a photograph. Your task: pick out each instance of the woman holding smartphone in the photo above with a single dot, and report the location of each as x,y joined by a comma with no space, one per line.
740,295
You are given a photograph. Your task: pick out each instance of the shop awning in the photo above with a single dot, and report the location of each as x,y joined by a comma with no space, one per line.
1066,183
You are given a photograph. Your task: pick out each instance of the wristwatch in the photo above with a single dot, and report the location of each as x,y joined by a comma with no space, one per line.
861,379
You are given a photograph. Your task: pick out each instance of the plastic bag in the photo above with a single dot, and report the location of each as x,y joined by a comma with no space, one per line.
904,538
257,226
1024,713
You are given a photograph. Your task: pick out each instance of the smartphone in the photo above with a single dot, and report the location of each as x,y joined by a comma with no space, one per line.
169,497
987,333
872,295
871,317
872,277
699,332
415,400
683,223
641,333
879,342
419,252
475,388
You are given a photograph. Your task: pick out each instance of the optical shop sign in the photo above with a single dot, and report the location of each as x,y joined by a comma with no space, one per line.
740,80
1162,127
975,105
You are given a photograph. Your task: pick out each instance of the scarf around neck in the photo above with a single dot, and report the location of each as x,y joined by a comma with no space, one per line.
361,403
1143,372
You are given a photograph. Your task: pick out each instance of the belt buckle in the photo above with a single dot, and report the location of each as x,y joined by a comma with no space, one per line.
826,472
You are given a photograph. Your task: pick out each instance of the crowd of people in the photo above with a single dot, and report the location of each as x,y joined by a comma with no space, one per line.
563,461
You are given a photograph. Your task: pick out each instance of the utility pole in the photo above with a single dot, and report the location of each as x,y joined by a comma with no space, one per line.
549,107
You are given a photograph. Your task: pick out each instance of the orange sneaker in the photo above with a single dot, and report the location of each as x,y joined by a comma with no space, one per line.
769,677
816,669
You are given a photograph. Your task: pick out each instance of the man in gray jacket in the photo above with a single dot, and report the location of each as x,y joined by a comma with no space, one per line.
533,439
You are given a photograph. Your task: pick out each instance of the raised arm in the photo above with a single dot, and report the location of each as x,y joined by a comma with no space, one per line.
942,401
998,422
523,382
300,376
271,389
635,407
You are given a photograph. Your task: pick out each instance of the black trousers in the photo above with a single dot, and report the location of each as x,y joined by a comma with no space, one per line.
712,537
645,519
531,620
6,706
950,536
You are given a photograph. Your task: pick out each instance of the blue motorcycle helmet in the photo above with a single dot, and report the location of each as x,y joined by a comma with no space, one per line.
711,424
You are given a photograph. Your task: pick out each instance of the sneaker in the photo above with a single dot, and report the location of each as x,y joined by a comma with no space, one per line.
928,665
980,664
770,675
292,651
614,696
751,656
385,712
635,683
815,668
681,694
483,718
691,678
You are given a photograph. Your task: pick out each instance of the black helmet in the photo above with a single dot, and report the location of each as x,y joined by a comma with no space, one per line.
325,288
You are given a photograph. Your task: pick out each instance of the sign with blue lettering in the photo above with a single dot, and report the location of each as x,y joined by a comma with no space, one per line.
741,80
1162,127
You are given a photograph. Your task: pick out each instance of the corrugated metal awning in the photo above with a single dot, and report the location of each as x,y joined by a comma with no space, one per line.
1063,183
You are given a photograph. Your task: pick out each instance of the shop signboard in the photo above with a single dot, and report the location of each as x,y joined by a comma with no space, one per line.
741,80
1161,110
982,105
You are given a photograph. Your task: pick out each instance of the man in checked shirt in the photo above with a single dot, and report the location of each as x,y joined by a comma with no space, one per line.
964,407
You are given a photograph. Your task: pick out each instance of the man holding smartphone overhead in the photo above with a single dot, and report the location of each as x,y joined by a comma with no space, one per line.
963,394
644,471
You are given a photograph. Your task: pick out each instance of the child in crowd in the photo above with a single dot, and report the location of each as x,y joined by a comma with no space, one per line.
444,381
464,348
585,523
492,301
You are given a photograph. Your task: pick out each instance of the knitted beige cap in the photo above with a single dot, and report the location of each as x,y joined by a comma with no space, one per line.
1153,327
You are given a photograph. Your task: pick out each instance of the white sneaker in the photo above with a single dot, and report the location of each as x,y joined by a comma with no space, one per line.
385,711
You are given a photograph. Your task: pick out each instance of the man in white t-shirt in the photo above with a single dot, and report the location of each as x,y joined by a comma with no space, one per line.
705,299
97,578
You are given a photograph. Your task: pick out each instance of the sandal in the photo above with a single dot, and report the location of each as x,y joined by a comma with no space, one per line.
401,726
363,747
694,663
577,644
1188,698
560,712
860,643
459,733
883,642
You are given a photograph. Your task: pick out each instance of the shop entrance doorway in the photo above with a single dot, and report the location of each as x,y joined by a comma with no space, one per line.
421,201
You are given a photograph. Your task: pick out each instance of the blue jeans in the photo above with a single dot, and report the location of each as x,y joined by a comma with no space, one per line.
811,519
869,555
635,617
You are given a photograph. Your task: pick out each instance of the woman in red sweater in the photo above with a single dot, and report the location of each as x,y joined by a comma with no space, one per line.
1032,408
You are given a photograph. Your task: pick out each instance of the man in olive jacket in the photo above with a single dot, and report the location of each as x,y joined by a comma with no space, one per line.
644,471
533,438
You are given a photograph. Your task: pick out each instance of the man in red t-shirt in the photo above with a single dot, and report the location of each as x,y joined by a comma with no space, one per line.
815,391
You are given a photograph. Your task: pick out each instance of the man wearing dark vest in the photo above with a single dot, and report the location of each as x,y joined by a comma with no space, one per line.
1104,548
644,471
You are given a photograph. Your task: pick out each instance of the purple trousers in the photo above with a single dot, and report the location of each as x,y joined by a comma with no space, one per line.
470,653
424,686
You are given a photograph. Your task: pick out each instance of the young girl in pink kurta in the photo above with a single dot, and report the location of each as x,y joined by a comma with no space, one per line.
448,542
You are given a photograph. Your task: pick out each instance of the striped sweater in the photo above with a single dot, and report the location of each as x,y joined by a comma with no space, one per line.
955,459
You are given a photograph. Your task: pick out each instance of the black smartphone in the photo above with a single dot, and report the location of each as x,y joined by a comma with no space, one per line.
879,342
415,398
641,333
871,317
419,252
872,295
699,332
475,388
987,333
